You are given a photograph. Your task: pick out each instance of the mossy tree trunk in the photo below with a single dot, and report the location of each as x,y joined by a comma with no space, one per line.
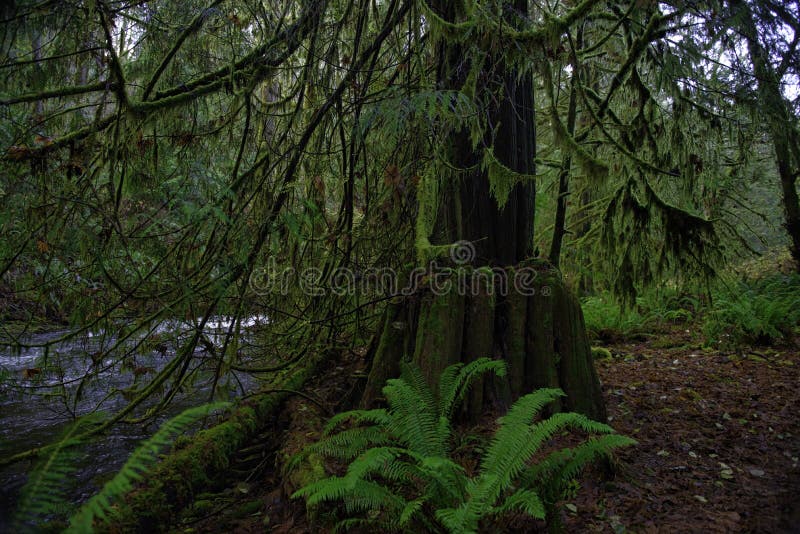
535,324
779,120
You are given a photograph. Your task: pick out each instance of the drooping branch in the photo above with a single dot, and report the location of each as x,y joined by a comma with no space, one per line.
60,92
190,29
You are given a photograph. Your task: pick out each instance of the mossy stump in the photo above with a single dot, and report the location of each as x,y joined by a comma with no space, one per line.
523,314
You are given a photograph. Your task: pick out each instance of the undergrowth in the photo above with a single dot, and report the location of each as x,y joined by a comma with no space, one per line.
402,475
761,311
607,320
44,499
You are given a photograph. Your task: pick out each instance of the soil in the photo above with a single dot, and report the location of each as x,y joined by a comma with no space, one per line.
718,446
719,441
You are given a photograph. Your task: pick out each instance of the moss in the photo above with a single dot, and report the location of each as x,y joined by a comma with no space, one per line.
172,485
248,508
501,178
601,353
202,507
439,333
301,474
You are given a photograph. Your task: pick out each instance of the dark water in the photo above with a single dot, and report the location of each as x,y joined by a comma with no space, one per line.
38,387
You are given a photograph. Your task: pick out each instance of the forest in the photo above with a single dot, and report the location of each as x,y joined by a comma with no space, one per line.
399,266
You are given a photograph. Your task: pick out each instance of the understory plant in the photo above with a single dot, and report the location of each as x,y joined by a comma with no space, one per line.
44,498
755,312
402,475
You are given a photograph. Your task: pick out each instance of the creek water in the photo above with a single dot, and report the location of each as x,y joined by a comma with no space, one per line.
38,386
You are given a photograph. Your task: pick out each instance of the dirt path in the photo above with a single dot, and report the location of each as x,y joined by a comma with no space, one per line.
719,441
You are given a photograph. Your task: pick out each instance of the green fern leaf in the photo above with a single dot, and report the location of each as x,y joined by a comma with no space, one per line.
523,500
456,380
376,417
45,492
138,464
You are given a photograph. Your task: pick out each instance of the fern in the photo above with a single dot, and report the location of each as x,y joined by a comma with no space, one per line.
757,312
402,476
140,462
44,495
455,381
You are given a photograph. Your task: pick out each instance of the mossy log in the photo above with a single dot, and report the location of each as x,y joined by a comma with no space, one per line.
187,471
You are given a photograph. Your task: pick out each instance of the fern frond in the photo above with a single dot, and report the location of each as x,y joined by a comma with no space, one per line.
415,421
561,466
455,381
412,376
523,500
358,495
376,417
352,524
371,461
512,437
349,443
139,463
421,432
449,478
45,491
516,442
463,519
411,509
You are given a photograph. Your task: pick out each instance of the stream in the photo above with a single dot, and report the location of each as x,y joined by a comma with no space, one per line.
35,382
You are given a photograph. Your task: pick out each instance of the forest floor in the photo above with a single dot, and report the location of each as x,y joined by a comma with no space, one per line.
718,444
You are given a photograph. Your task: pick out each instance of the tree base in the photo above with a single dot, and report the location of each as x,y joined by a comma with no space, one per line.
524,315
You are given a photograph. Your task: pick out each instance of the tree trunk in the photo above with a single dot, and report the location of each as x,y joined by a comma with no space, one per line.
780,122
535,324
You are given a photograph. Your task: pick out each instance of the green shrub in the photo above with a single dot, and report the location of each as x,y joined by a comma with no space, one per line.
402,475
755,312
606,319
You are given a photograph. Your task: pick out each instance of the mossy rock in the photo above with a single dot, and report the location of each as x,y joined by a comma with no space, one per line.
248,508
601,353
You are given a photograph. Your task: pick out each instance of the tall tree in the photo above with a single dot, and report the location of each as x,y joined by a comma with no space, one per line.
485,208
780,122
192,143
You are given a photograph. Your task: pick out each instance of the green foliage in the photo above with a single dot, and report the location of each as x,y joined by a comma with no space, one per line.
138,465
607,319
44,495
402,476
761,311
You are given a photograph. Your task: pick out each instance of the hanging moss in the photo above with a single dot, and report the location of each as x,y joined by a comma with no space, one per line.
502,180
454,32
427,207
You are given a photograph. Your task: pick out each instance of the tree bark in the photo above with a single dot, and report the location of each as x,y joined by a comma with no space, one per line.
780,122
535,325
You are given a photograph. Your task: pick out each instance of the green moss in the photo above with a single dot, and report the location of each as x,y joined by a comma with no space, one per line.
601,353
248,508
501,178
301,474
202,507
173,483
